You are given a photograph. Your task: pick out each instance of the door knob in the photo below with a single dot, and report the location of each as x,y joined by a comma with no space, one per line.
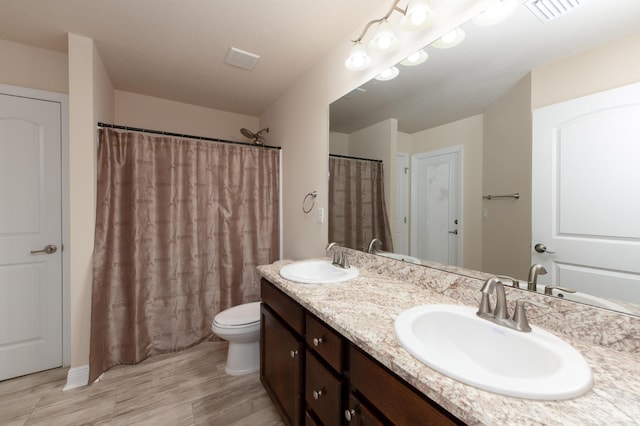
455,231
541,248
48,249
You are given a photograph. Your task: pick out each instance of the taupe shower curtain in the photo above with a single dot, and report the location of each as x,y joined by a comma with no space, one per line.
357,211
181,225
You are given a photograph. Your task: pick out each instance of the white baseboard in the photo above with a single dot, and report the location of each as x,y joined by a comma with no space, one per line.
77,377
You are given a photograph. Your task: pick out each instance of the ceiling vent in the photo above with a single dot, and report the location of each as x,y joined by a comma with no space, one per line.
241,59
547,10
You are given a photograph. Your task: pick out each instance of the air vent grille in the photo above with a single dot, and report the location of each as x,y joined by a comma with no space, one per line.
241,58
547,10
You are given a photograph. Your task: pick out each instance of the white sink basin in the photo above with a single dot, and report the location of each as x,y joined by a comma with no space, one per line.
397,256
456,342
317,272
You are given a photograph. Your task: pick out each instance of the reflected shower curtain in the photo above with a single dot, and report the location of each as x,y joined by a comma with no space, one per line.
181,225
357,211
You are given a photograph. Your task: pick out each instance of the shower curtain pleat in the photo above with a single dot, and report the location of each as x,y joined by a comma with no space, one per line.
181,225
357,210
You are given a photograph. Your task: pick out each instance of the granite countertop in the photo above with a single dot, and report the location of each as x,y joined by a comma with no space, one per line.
364,309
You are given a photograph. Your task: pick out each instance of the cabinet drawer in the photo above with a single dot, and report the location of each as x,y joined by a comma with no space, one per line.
323,391
400,403
287,308
358,414
326,342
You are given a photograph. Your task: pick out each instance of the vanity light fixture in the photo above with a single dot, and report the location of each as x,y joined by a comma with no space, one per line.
451,39
359,59
388,74
415,58
417,15
384,38
496,13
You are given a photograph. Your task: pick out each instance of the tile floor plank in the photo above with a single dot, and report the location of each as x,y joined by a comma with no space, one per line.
184,388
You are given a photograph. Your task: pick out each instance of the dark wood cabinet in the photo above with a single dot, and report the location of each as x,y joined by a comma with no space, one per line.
316,377
282,357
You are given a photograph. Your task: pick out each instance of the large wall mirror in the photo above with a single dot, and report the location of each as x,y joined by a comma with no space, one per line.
464,119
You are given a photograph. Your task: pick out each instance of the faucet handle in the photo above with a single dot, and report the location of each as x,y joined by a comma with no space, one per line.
548,290
520,314
337,256
514,282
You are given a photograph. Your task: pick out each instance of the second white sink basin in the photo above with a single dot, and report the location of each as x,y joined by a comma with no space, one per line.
317,272
453,340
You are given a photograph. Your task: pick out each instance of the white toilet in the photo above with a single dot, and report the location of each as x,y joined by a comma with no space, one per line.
240,326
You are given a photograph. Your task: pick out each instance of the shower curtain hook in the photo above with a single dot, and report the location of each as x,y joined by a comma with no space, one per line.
313,195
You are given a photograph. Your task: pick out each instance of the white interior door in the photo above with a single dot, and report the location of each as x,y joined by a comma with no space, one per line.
435,203
30,220
586,193
401,241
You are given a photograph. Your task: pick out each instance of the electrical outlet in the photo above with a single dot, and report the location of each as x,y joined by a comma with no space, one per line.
320,215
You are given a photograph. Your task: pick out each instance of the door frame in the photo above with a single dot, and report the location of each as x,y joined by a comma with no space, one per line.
63,100
458,150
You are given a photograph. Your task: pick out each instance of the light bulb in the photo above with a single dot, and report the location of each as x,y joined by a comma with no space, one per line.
414,58
388,74
384,38
418,17
450,37
384,42
358,59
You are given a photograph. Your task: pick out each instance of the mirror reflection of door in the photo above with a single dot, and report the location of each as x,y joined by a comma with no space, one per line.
586,181
435,205
401,237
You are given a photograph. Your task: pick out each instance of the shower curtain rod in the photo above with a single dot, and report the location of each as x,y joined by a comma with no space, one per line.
180,135
355,158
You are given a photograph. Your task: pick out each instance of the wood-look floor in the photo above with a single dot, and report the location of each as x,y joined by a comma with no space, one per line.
185,388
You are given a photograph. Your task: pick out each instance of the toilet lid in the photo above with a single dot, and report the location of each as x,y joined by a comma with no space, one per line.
239,315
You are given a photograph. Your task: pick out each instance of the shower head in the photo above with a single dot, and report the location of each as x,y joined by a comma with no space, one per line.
257,137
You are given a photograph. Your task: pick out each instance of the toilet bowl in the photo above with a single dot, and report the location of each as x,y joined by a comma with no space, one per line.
240,326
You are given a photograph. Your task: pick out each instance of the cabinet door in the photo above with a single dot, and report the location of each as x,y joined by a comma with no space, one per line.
323,392
281,366
358,414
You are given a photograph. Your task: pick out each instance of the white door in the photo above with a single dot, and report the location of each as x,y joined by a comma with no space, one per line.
435,202
30,220
586,193
401,241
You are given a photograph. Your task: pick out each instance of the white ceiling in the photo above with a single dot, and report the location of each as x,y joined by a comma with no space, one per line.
175,49
464,81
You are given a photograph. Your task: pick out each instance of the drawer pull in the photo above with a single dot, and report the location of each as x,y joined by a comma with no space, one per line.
318,393
350,414
294,354
318,340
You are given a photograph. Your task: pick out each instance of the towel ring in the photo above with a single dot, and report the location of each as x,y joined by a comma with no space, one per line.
311,195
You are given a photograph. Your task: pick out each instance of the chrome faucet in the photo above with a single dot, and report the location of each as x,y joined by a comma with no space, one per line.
339,256
373,242
535,270
500,314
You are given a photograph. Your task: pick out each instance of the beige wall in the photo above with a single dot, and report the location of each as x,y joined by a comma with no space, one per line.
338,143
468,133
506,169
612,65
32,67
90,100
148,112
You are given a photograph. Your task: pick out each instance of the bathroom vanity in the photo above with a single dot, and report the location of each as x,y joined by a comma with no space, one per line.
312,372
329,353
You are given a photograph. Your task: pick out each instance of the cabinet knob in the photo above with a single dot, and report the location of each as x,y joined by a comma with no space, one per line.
350,414
294,354
318,393
318,340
